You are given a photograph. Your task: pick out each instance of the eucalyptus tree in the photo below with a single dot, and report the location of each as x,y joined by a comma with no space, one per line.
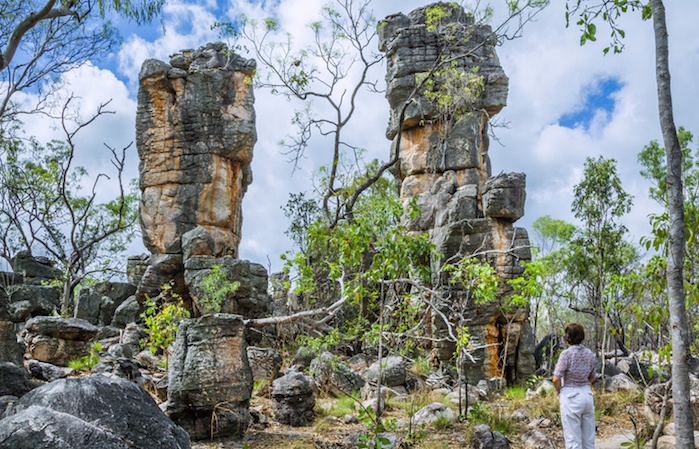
599,249
609,12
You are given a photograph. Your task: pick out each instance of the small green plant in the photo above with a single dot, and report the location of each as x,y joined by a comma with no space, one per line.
86,363
214,288
515,392
376,426
442,423
162,320
421,367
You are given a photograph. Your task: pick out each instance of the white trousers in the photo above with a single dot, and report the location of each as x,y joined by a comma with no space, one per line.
578,417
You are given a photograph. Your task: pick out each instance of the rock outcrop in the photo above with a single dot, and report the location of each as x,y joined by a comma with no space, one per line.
210,380
195,132
56,340
443,165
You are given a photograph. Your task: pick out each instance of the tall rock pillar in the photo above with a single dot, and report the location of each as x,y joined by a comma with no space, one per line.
443,165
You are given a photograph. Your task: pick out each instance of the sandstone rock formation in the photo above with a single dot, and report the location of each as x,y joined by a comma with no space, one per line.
443,165
210,380
195,131
89,412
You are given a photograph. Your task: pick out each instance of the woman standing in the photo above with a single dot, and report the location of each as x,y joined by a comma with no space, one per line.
574,373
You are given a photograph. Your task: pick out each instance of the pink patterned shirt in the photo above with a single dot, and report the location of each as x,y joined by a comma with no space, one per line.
576,365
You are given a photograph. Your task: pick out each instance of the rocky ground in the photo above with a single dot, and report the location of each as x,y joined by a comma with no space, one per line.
329,432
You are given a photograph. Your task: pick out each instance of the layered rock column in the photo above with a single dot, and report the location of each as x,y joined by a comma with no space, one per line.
443,165
195,132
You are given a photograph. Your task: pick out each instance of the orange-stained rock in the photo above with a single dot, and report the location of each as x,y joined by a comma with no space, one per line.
443,165
195,132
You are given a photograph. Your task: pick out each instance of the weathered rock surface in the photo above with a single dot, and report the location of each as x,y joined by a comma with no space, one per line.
485,438
34,269
443,165
56,340
331,374
195,131
28,301
394,371
98,303
14,380
250,300
45,371
294,399
11,350
433,412
264,362
89,413
209,368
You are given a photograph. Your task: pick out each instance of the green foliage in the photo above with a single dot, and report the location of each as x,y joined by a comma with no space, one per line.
376,426
478,278
214,288
482,413
162,317
86,363
589,13
552,233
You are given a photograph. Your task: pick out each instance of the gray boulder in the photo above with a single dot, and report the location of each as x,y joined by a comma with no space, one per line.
536,439
34,269
127,312
93,412
393,373
504,196
293,399
621,382
33,300
45,371
433,412
485,438
11,350
331,374
264,362
14,380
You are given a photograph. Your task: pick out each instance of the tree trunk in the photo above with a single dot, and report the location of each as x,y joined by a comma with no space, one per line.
676,238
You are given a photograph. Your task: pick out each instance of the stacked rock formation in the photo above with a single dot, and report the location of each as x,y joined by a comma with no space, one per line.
195,132
443,165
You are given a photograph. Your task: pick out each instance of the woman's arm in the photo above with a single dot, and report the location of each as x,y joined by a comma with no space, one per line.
557,384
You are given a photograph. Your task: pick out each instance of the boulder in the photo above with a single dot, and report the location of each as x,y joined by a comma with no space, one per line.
45,371
433,412
56,340
250,300
536,439
394,371
209,367
621,382
293,399
93,412
485,438
329,373
14,380
33,300
34,269
11,349
127,312
504,196
264,362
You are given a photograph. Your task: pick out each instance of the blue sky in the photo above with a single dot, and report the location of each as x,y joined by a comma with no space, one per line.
598,98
